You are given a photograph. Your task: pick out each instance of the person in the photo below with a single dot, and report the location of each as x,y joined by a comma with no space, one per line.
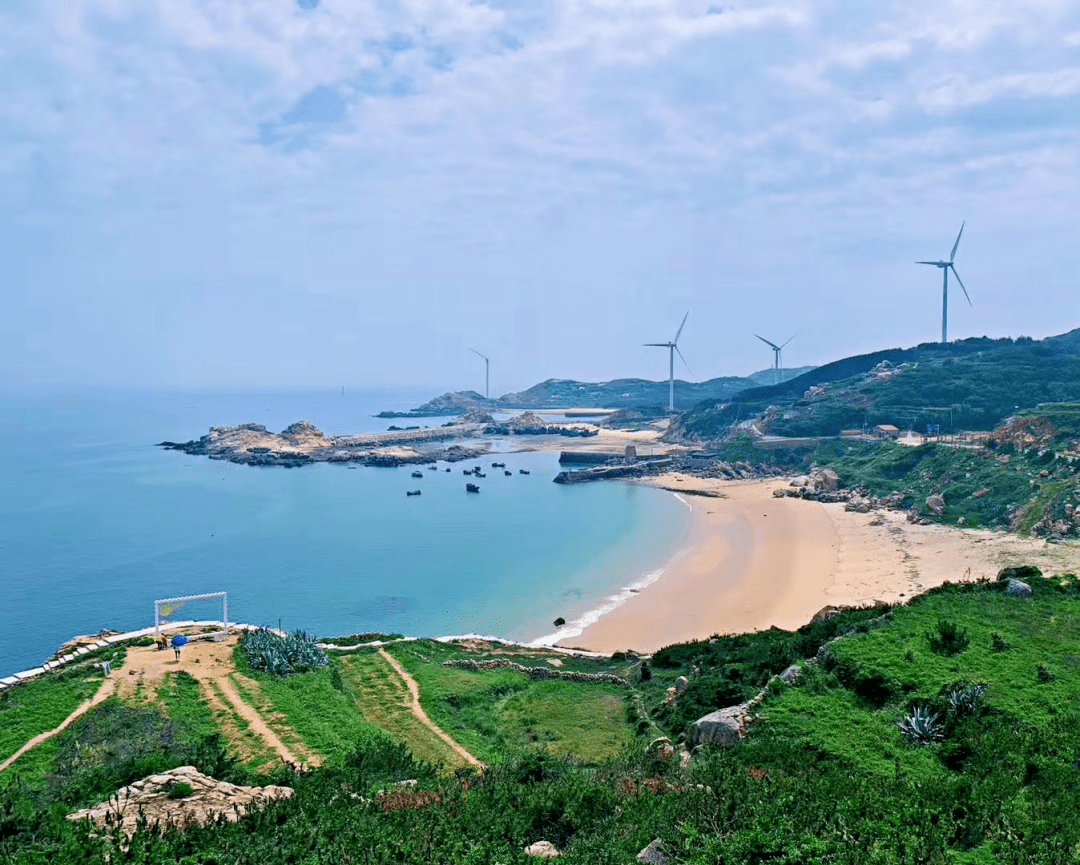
106,668
177,643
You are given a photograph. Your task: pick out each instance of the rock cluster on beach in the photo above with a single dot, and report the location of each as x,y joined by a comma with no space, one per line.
149,801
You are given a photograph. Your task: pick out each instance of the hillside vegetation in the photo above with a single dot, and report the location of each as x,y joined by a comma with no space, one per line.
826,772
971,384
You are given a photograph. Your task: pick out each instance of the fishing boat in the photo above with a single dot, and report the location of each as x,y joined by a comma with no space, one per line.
480,474
508,473
522,472
412,492
472,488
498,465
417,474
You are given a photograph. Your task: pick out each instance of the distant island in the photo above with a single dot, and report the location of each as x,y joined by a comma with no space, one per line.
621,393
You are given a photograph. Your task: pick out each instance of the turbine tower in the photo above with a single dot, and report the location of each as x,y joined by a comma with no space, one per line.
946,266
672,348
487,373
778,364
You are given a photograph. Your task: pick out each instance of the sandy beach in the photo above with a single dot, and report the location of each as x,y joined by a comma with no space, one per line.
751,561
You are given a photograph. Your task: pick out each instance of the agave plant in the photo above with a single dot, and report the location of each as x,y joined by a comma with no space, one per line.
965,700
922,727
282,655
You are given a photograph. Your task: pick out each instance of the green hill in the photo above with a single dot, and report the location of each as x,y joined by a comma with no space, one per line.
985,685
971,384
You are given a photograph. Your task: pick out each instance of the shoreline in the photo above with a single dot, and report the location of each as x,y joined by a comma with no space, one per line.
752,561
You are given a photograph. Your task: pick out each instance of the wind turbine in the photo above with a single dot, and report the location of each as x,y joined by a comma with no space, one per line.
672,348
946,266
778,364
487,373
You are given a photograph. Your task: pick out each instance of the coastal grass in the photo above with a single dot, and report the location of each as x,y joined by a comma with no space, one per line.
305,707
41,704
382,699
181,695
243,742
493,713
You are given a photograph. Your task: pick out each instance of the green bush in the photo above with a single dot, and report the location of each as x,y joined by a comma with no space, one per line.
998,643
179,790
948,638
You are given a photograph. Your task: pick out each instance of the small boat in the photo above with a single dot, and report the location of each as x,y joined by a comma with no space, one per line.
432,468
466,471
498,465
417,474
522,472
480,474
412,492
508,473
472,488
448,468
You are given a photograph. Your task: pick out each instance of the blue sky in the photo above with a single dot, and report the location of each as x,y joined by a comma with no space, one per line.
251,192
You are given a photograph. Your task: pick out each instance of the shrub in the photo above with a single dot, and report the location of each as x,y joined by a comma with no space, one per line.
966,699
998,643
644,673
282,656
335,679
1044,674
921,726
948,638
179,790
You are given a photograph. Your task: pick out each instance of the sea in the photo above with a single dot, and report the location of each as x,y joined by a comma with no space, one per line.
96,522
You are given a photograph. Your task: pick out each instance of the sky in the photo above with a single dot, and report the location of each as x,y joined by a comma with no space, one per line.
233,193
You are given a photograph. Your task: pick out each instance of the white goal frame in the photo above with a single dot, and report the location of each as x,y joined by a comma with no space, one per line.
224,596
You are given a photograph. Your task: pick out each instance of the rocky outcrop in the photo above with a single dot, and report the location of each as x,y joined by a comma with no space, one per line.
149,800
303,443
448,404
653,854
1017,589
935,503
529,423
542,850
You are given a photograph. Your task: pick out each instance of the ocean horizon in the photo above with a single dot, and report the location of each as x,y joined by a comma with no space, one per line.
97,522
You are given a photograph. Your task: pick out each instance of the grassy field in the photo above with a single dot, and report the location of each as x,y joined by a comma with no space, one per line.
495,712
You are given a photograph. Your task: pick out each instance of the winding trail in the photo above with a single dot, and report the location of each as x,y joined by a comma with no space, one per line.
255,721
103,693
421,715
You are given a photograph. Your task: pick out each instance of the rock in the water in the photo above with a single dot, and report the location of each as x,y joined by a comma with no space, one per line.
935,503
653,854
681,684
542,850
1017,589
723,727
149,800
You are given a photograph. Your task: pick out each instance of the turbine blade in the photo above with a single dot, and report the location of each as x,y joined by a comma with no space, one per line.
681,326
790,338
683,359
474,351
935,263
953,255
772,344
658,344
957,275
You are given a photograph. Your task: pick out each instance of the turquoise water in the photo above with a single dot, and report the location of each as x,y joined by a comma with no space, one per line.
96,522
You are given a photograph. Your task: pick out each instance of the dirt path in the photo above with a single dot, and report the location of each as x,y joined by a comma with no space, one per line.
209,662
103,693
421,715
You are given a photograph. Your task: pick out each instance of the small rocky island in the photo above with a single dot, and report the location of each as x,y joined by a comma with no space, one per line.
303,443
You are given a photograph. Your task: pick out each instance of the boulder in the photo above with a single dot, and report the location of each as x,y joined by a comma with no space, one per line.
791,674
724,727
1018,572
662,747
935,503
1017,589
825,480
542,850
653,854
681,684
800,482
